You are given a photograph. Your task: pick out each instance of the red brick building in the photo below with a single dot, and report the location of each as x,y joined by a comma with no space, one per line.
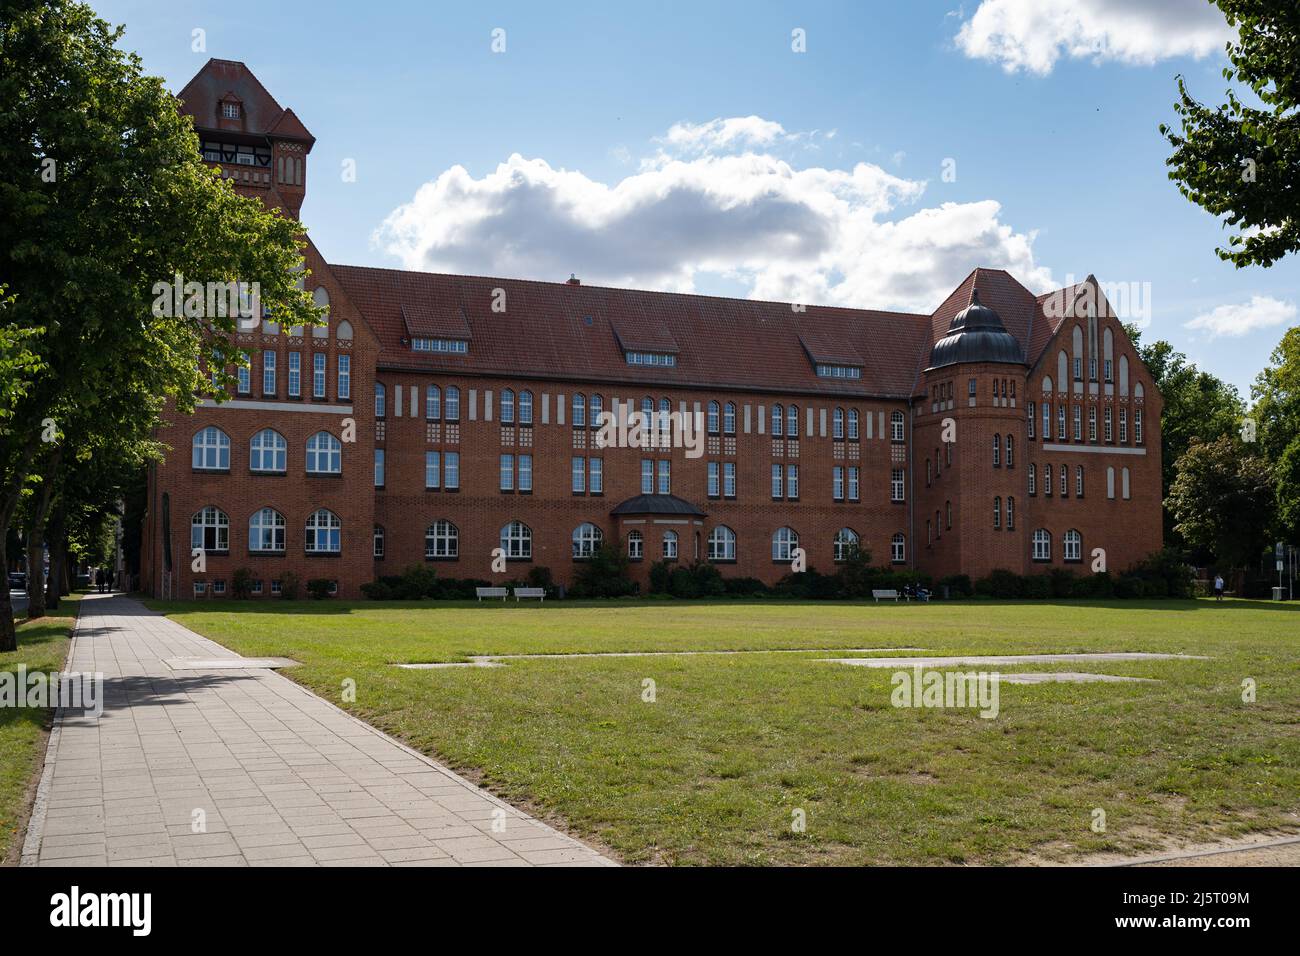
458,420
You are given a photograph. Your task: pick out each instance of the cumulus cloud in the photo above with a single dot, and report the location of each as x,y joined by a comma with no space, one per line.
1235,320
1032,35
817,235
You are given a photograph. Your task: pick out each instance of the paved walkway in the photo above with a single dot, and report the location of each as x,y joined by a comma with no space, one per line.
278,775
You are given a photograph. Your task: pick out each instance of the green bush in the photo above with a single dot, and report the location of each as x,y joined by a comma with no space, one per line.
604,574
378,591
661,576
319,588
289,586
959,585
241,583
743,587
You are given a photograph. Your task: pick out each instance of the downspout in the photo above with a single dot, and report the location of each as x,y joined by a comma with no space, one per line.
911,487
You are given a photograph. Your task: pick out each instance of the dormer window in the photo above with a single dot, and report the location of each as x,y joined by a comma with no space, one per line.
839,371
230,110
666,359
454,346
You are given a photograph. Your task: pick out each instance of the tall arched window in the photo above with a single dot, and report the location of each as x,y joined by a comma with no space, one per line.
1073,545
378,541
792,422
211,449
1078,481
586,539
451,404
266,531
722,544
846,542
507,407
997,513
729,418
714,421
853,424
1065,481
784,541
210,530
594,409
778,421
1011,452
381,397
1011,514
997,451
837,423
324,531
1033,478
670,545
578,414
525,408
898,548
517,541
324,454
1042,545
268,451
896,426
433,403
441,540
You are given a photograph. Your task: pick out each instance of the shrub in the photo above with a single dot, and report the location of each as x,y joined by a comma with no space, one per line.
417,581
378,591
1000,584
1062,582
959,585
604,574
540,577
661,576
743,587
289,586
319,588
241,583
1038,586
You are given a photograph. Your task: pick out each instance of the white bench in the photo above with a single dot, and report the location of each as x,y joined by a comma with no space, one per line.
501,593
539,593
888,594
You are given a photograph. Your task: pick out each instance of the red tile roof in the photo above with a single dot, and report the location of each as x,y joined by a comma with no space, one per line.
262,114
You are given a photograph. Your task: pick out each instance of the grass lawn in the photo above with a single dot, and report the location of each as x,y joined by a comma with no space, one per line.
713,770
42,646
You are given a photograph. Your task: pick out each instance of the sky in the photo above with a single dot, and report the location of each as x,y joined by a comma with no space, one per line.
866,153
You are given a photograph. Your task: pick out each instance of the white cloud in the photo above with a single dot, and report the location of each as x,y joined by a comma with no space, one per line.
814,235
1261,312
1033,34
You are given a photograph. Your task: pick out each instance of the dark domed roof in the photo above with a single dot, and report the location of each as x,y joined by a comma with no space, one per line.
976,335
657,505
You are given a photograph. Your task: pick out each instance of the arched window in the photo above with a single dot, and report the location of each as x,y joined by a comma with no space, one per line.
853,424
1033,478
898,548
381,397
1065,481
997,451
268,451
379,541
1011,452
1123,375
635,545
670,545
525,408
1011,514
1124,490
1073,545
1078,481
323,532
1063,370
344,330
648,412
324,454
729,418
713,422
837,423
441,540
722,544
1110,482
784,541
211,449
1077,339
792,422
896,426
517,541
586,539
1042,545
846,543
507,407
778,421
578,417
210,530
997,513
321,299
433,403
594,409
266,531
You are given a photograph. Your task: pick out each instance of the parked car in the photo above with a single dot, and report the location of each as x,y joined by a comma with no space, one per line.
17,580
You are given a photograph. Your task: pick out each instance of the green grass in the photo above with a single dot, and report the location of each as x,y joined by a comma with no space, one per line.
42,646
712,771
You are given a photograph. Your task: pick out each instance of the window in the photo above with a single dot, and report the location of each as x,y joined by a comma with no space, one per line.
268,452
381,395
971,388
211,449
1123,426
651,358
451,346
318,375
266,531
1078,481
586,539
1072,543
853,482
997,451
729,479
578,417
579,472
947,515
896,484
722,544
670,546
1109,366
1107,431
210,530
508,472
525,408
594,411
853,424
837,424
1033,478
1047,421
1047,480
323,531
1042,545
230,111
837,483
997,513
896,427
635,545
345,376
1029,421
784,541
245,374
665,478
451,471
791,482
1110,482
778,421
898,548
524,472
256,587
1011,514
729,418
451,404
517,541
1065,481
713,488
712,422
275,586
1124,488
268,372
1137,426
295,374
508,407
200,587
1060,422
432,403
839,371
846,542
778,474
1011,452
324,454
1078,368
647,476
792,422
1092,423
432,470
1078,423
379,541
441,540
665,408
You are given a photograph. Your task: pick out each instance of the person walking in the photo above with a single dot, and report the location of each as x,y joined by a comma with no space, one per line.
1218,587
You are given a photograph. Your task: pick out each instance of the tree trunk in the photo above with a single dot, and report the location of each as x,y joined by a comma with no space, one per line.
58,555
8,636
36,554
12,492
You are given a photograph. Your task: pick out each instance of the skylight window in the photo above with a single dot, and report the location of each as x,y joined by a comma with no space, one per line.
651,358
456,346
839,371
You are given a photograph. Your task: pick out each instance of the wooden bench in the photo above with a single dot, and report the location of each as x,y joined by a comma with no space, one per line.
539,593
501,593
888,594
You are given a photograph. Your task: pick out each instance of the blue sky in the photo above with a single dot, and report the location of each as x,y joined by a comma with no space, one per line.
827,186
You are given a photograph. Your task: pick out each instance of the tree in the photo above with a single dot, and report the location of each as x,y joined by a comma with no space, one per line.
103,195
1277,411
1239,161
1222,501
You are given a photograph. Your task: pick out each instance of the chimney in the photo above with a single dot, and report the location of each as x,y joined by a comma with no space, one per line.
573,280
